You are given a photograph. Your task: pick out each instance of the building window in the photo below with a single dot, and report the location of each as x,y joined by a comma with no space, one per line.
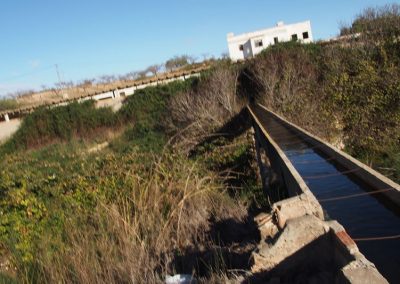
305,35
276,40
258,43
294,37
241,47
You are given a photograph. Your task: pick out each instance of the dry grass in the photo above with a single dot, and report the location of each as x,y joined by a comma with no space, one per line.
57,94
134,238
289,76
198,112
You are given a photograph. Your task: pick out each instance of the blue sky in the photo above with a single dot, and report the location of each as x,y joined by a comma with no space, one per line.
89,38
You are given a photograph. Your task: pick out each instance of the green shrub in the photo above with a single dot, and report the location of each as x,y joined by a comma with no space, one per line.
130,211
346,91
144,113
147,111
149,105
46,125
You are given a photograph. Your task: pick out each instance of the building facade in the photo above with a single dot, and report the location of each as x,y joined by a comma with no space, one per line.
247,45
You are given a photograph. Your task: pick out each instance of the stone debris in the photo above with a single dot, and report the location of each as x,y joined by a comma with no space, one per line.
304,204
298,233
180,279
298,245
98,147
359,272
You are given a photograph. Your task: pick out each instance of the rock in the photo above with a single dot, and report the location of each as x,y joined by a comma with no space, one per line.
294,207
266,225
180,279
360,272
297,234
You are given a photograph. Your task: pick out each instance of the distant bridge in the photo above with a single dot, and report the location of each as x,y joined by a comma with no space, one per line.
126,90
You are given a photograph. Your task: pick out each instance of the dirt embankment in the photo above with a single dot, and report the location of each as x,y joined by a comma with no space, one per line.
8,128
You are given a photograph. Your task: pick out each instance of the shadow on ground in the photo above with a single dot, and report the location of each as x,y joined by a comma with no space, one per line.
234,128
229,151
314,263
231,243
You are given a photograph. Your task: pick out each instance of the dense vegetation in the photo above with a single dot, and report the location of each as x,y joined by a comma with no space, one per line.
347,92
107,217
47,125
125,213
83,120
178,165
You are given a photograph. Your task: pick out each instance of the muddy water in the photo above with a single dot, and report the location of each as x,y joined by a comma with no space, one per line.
342,196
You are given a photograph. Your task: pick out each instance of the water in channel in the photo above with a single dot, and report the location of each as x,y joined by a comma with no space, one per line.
341,196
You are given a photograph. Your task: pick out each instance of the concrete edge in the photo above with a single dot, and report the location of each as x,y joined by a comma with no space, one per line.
358,270
364,172
353,266
339,234
303,186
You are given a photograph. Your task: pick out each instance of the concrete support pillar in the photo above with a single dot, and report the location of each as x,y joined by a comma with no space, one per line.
7,118
261,166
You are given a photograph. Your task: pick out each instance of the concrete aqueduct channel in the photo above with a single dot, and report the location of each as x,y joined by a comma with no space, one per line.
323,184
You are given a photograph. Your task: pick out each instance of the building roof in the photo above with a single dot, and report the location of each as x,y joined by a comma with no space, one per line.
280,27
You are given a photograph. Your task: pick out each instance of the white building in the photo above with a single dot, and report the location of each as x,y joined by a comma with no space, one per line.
249,44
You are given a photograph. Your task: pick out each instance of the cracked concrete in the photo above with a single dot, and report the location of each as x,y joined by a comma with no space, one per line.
297,244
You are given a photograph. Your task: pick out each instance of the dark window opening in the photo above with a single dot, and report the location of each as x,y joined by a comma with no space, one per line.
294,37
276,40
258,43
241,47
305,35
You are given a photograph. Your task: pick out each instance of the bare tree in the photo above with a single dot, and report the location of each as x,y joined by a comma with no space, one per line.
267,74
69,84
133,75
86,84
178,62
142,74
21,93
205,56
199,112
107,78
59,85
123,78
154,69
191,59
64,84
224,55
